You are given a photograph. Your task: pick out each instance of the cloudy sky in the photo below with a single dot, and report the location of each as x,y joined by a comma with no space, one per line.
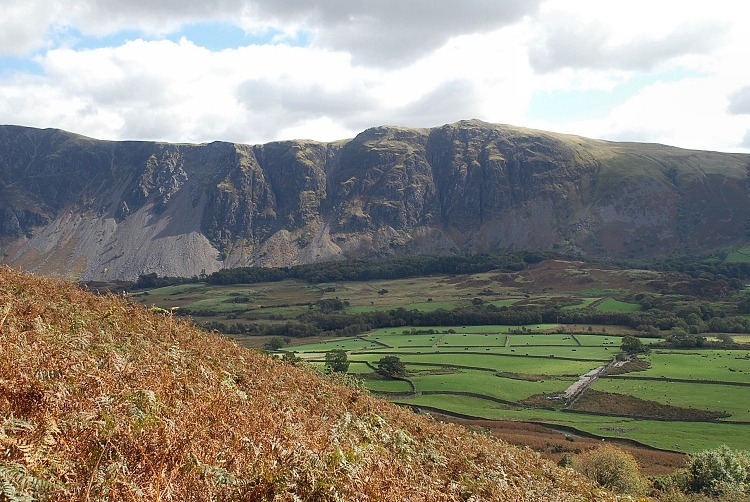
251,71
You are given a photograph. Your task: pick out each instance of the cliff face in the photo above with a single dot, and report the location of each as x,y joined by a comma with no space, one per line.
97,210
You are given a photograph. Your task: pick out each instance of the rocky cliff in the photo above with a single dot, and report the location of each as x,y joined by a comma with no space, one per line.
99,210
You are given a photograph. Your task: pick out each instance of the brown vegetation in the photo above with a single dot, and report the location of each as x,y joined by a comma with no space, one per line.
553,445
102,399
593,401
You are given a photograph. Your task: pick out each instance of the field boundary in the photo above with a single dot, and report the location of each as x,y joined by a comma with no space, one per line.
678,380
549,425
403,379
455,352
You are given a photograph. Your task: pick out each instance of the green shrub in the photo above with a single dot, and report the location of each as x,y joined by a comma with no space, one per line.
612,468
721,471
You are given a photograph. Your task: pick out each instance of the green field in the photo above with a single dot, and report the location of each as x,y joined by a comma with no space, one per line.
711,397
711,365
612,305
739,256
507,371
679,436
489,372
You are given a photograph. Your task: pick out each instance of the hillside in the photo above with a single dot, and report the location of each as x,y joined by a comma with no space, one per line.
102,399
98,210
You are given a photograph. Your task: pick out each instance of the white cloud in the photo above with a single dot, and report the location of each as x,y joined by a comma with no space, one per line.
635,35
746,140
23,25
669,71
739,102
383,33
687,113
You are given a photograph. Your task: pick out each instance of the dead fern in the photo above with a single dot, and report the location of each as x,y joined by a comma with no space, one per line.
101,399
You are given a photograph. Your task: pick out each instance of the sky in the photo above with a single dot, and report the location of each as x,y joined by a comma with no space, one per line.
251,71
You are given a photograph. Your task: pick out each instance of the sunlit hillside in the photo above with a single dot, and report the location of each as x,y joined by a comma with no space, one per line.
101,399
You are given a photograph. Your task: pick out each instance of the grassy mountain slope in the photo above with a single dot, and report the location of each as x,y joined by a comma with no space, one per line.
102,399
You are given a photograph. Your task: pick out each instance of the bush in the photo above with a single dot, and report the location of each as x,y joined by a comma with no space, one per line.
612,468
721,471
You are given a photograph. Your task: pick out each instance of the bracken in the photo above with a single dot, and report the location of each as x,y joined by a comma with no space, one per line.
103,399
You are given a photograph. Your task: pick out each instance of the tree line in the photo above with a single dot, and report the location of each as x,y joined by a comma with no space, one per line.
382,268
338,323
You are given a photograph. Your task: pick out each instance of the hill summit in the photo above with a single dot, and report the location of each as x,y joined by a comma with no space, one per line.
103,210
104,399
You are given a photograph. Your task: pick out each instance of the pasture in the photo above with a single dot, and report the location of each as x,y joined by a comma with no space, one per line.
512,373
507,372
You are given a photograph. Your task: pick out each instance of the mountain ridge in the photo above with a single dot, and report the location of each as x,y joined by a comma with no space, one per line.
90,209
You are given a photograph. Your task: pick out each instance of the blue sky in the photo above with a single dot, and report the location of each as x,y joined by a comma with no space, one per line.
253,71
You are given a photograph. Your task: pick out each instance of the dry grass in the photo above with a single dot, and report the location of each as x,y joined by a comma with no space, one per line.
101,399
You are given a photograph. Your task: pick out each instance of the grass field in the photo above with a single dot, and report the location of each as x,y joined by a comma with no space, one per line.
739,255
711,365
489,371
499,365
677,436
711,397
612,305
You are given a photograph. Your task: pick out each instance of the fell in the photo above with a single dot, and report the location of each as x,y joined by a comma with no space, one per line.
102,399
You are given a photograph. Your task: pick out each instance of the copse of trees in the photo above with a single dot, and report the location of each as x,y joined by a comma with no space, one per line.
382,268
708,267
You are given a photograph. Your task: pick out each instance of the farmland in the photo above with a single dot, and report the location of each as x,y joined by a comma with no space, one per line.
496,375
682,398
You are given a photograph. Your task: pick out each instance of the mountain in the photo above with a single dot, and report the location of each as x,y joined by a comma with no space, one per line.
103,210
101,399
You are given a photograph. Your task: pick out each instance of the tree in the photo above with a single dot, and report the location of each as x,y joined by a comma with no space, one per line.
291,358
632,344
275,343
725,338
391,366
337,360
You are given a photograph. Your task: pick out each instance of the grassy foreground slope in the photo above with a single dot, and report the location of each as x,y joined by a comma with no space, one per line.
103,399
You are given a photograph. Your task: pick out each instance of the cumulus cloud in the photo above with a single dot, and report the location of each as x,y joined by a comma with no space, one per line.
24,25
392,32
739,101
449,102
569,44
328,69
668,113
383,33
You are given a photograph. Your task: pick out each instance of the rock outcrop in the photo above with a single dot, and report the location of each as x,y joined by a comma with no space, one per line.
100,210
